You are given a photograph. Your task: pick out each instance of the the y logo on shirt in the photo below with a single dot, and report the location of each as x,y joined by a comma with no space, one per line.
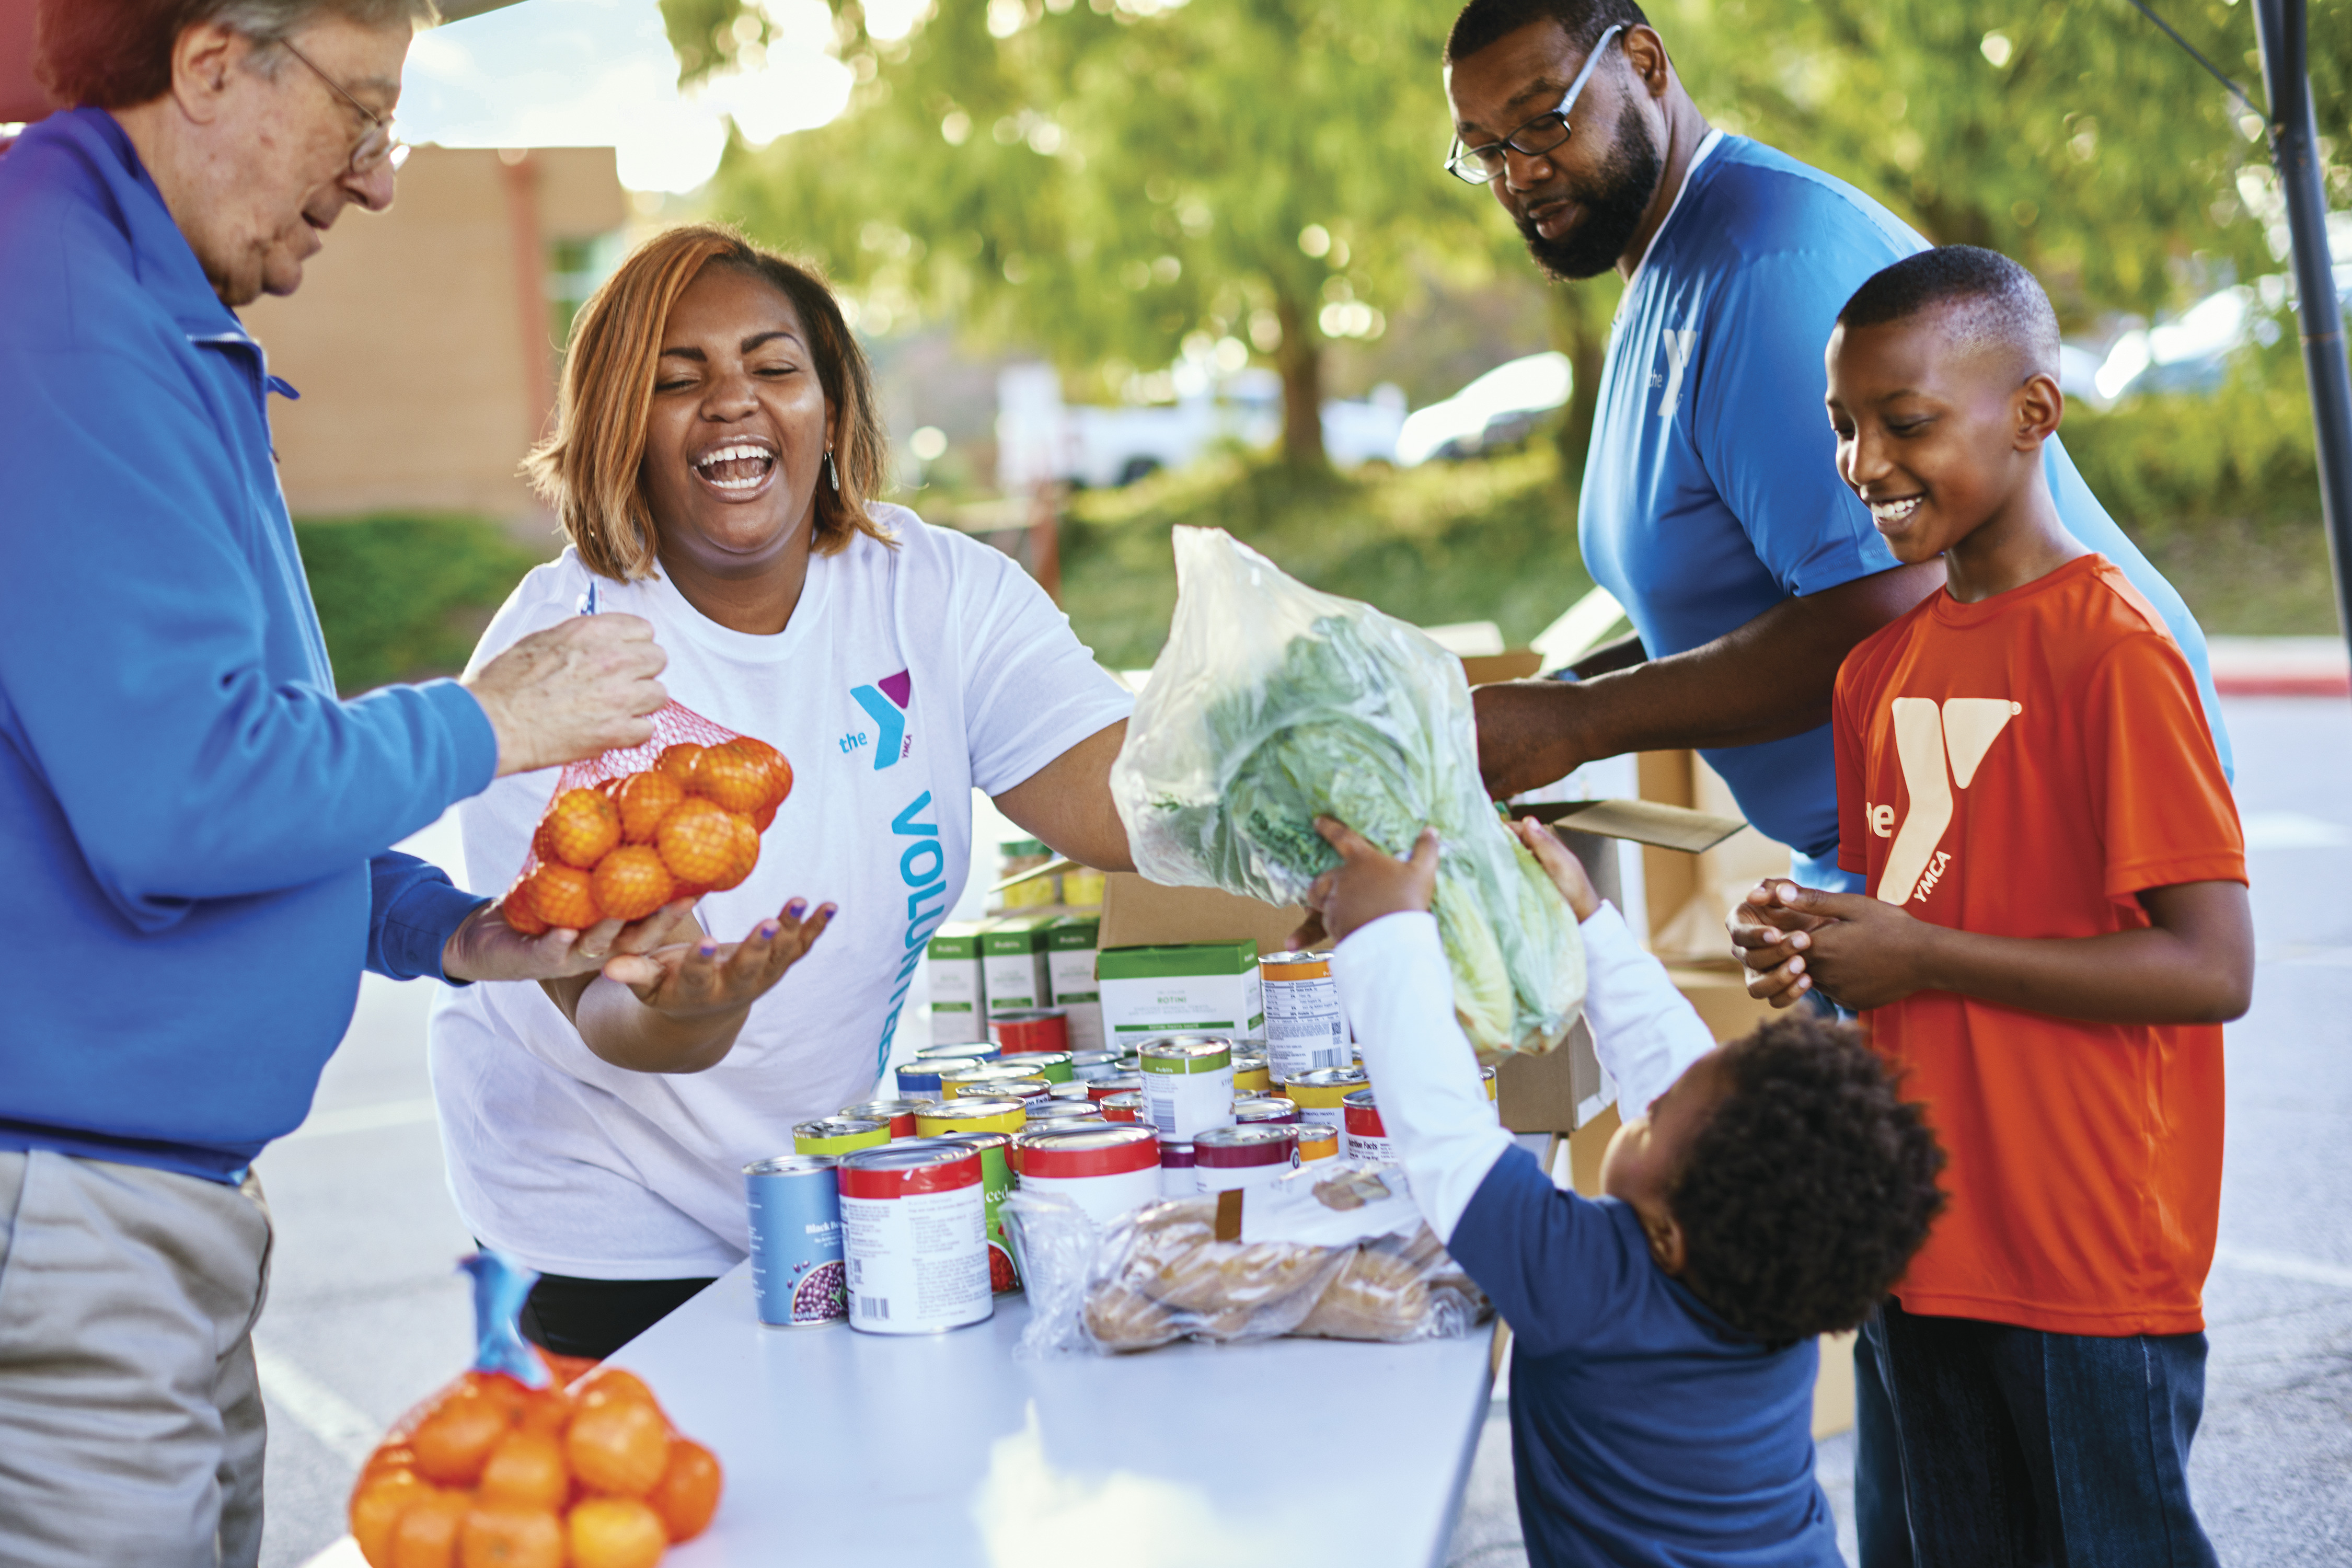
886,703
1927,736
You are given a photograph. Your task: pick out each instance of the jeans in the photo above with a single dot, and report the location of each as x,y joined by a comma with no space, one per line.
1881,1527
2025,1448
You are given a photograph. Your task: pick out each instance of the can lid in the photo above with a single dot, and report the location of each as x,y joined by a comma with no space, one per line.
1064,1110
1093,1058
982,1050
1125,1100
1330,1077
970,1108
1059,1153
789,1165
1113,1083
1315,1133
1263,1108
999,1068
1027,1014
1261,1144
839,1127
884,1109
1184,1054
1244,1059
1035,1061
919,1071
910,1165
1362,1097
980,1141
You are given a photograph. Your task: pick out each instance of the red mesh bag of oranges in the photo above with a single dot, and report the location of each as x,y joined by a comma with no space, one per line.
509,1468
641,826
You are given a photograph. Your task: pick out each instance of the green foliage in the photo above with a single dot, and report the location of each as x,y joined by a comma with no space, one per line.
402,598
1485,540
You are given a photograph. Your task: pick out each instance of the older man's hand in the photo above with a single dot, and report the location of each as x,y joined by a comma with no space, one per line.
570,691
485,948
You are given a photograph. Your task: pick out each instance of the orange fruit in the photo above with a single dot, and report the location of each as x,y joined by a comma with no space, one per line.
582,827
543,847
457,1435
697,843
615,1532
518,913
389,1455
761,817
617,1445
509,1535
548,1410
568,1369
780,772
631,882
609,1383
747,852
563,896
427,1534
525,1469
732,776
678,761
377,1503
687,1494
644,799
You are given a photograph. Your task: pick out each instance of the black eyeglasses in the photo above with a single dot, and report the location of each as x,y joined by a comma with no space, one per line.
1480,166
379,142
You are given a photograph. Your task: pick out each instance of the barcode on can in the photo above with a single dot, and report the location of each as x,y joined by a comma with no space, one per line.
874,1307
1337,1057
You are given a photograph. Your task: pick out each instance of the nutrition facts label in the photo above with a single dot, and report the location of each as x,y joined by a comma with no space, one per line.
1304,1028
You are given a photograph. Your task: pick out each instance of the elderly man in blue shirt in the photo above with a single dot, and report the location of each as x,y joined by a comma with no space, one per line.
1712,506
193,829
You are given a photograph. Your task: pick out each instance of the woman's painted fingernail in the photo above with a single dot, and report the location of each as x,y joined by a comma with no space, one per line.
767,928
795,909
710,950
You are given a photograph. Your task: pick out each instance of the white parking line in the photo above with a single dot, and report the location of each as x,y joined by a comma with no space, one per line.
363,1119
2279,1266
319,1410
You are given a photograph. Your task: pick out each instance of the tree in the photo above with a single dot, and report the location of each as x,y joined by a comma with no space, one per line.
1122,181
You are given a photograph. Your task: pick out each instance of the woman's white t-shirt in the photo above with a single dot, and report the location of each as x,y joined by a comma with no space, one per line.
908,676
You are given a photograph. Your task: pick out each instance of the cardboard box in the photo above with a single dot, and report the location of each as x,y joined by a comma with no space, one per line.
1012,962
958,991
1203,987
1070,943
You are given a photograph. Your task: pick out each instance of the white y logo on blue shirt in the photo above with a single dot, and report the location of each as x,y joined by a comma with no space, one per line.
1678,352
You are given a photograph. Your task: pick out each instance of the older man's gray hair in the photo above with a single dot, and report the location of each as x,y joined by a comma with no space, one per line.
110,54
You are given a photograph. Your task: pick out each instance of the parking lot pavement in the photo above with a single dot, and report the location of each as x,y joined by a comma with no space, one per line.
365,1315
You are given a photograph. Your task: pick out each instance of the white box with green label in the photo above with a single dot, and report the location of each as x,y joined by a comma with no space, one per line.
1013,962
959,993
1207,987
1070,966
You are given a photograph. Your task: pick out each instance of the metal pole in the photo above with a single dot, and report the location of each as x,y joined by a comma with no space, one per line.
2294,152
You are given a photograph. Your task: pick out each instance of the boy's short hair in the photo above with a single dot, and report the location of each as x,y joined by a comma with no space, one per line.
1804,1197
1992,301
1483,22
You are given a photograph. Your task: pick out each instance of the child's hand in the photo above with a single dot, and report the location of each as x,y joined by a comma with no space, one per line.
1560,864
702,979
1858,951
1369,882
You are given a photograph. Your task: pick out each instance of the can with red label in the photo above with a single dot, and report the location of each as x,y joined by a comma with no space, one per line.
899,1115
1367,1137
1114,1083
914,1234
1030,1029
1253,1107
796,1269
1316,1142
1321,1095
1107,1171
1228,1157
1176,1180
996,1184
1124,1106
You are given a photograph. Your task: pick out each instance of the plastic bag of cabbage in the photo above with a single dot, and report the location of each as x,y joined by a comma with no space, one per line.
1271,703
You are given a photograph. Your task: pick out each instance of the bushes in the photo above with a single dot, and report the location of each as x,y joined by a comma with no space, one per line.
402,598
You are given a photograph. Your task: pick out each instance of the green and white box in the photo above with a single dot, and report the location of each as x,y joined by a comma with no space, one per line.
958,995
1201,988
1070,966
1013,962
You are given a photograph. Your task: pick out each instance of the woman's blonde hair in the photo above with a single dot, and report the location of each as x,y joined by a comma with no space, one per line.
590,470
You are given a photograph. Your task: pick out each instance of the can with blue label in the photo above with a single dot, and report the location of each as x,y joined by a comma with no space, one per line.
797,1277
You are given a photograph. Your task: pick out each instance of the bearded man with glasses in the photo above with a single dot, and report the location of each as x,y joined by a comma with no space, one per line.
194,829
1712,506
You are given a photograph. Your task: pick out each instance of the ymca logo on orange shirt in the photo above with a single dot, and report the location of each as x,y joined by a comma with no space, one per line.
1930,737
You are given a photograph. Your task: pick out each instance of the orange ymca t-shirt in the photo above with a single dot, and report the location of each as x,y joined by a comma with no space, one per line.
2024,767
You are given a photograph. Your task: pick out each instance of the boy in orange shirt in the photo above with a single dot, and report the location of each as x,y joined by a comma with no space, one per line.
2056,929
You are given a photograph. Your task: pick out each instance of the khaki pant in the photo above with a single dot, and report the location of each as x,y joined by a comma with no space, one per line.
131,1420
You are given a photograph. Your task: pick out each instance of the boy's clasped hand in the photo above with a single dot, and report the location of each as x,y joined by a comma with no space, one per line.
1858,952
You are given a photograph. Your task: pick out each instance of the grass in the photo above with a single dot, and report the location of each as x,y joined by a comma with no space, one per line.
406,597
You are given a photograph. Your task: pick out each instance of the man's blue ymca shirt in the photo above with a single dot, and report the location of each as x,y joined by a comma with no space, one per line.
1711,490
192,825
1645,1432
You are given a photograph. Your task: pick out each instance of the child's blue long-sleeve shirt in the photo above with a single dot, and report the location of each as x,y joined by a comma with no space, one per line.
1643,1429
192,825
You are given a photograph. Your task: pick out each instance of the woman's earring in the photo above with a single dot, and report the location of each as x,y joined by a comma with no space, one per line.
832,472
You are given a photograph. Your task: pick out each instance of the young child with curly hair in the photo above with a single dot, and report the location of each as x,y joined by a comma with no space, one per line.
1757,1197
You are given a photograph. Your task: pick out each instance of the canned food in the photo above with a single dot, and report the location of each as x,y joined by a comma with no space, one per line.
1074,1089
1123,1107
1090,1064
838,1135
1116,1083
967,1115
919,1078
1367,1137
1228,1157
1028,1031
1062,1112
973,1050
1105,1171
995,1186
1251,1073
914,1217
975,1078
1304,1028
1129,1061
1032,1092
1176,1177
1319,1095
1487,1076
899,1115
1316,1142
1188,1083
797,1278
1265,1108
1053,1067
